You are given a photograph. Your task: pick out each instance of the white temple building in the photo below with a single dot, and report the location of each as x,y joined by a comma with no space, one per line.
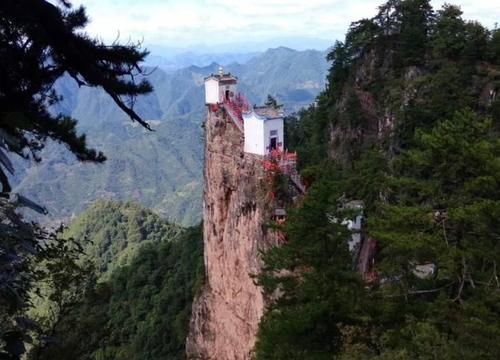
219,88
262,126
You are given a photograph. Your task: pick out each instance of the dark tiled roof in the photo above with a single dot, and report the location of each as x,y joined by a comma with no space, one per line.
222,78
268,112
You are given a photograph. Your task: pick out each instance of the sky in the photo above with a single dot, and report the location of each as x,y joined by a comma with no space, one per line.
241,25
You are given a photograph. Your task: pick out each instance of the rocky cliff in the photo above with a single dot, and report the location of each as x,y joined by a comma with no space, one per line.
235,211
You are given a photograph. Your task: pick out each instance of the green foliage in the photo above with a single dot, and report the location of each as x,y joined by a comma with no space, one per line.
476,42
352,116
307,134
23,247
139,308
115,231
410,65
494,47
442,208
320,292
448,90
495,113
64,282
294,134
449,33
151,303
272,102
416,17
340,58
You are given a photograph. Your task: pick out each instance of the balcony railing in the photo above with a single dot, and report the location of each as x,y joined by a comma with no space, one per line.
286,162
235,109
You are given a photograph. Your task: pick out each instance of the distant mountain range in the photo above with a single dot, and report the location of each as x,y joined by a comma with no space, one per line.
300,43
186,59
160,169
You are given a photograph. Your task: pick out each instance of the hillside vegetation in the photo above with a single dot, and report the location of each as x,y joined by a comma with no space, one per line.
134,299
409,125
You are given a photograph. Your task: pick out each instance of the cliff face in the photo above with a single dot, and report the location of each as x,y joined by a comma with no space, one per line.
364,116
235,209
379,102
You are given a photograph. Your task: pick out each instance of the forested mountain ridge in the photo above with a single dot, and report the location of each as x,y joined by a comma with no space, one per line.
408,125
161,170
113,232
388,78
134,299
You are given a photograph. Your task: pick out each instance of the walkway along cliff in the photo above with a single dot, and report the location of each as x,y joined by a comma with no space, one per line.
238,203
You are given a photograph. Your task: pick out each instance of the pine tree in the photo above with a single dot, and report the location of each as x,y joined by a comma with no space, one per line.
39,43
313,273
449,33
416,18
494,47
272,102
441,214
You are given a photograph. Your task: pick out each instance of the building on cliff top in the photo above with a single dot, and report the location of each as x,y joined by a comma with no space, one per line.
262,126
220,88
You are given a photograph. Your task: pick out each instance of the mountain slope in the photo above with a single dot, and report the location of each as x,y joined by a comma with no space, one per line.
147,273
293,77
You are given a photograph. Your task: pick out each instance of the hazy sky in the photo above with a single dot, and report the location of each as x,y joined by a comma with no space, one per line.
186,23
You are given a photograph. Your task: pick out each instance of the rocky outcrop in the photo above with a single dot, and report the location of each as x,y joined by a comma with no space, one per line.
366,108
236,208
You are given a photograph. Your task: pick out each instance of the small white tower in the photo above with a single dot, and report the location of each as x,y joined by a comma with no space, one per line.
263,130
220,87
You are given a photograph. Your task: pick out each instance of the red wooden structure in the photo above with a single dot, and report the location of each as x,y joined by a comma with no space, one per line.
236,108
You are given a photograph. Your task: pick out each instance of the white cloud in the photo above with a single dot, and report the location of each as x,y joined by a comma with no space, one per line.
183,23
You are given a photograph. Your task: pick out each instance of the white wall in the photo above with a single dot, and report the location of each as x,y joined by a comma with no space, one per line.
211,91
254,134
274,124
257,133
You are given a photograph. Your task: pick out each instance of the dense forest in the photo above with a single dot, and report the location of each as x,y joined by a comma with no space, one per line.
408,124
128,295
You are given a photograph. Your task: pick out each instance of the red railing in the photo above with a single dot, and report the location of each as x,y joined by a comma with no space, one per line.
286,163
235,109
